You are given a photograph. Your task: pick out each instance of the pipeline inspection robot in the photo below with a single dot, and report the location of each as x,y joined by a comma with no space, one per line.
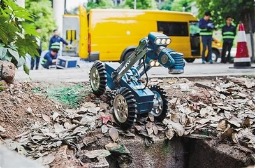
132,96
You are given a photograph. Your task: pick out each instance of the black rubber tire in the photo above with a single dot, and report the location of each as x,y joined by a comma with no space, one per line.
132,108
217,54
103,78
190,60
163,96
126,55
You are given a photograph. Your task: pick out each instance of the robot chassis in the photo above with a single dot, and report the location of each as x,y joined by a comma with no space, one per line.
132,97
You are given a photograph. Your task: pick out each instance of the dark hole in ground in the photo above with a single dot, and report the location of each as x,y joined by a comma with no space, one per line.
180,153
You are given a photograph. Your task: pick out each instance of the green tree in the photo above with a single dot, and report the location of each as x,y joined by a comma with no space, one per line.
239,10
42,14
102,4
17,36
140,4
166,5
178,5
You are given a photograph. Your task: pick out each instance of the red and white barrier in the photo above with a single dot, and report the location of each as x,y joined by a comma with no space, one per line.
242,59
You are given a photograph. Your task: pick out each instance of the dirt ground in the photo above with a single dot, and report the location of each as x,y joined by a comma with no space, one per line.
60,124
20,108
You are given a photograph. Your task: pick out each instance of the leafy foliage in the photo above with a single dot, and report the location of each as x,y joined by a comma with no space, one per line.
42,14
176,5
17,38
166,5
103,4
140,4
237,9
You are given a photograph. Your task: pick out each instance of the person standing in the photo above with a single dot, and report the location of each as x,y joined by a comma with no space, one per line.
228,35
39,50
56,39
206,25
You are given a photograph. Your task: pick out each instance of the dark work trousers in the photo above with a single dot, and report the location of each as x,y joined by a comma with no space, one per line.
207,41
227,45
35,59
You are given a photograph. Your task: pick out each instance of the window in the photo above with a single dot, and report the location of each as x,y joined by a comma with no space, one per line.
173,28
194,28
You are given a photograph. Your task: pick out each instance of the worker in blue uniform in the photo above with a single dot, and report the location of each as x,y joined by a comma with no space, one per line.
56,39
207,26
228,35
36,58
50,58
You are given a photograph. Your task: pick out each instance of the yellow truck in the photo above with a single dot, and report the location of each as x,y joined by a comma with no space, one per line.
112,34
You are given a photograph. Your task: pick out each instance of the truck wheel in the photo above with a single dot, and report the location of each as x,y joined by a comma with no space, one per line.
160,106
127,55
190,60
215,55
125,108
98,78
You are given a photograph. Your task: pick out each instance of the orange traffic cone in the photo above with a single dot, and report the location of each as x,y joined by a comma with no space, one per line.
242,59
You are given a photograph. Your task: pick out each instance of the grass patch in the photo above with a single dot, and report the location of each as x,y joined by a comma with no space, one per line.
72,95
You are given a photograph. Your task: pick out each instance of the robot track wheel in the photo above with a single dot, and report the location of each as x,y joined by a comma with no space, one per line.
160,106
125,108
98,78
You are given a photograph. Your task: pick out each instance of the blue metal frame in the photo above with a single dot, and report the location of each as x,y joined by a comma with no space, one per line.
154,51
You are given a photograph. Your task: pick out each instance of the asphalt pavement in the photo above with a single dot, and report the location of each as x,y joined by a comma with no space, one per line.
81,74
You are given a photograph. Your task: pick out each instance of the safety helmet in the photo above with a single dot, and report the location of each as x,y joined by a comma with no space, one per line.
55,46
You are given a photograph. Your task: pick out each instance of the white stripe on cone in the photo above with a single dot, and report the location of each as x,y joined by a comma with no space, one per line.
242,59
241,36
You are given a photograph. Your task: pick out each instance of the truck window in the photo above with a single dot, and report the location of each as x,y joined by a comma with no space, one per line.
194,38
173,28
194,28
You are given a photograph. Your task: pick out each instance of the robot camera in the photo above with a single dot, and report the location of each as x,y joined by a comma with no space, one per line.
159,39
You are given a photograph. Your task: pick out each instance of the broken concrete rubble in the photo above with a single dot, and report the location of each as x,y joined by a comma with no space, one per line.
219,110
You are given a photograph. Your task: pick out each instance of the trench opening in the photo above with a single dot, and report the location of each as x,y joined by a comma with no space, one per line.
178,153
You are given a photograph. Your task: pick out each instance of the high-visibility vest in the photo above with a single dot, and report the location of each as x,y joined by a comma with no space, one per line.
55,46
228,35
205,32
43,61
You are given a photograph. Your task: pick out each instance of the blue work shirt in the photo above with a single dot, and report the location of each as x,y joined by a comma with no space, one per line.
57,39
48,59
205,30
228,33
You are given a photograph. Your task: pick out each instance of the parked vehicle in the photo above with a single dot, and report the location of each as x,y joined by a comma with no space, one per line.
112,34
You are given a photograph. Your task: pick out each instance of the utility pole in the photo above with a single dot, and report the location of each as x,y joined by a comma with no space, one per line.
135,4
251,37
58,11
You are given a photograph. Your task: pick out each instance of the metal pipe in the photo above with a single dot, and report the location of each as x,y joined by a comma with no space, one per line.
137,54
65,6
